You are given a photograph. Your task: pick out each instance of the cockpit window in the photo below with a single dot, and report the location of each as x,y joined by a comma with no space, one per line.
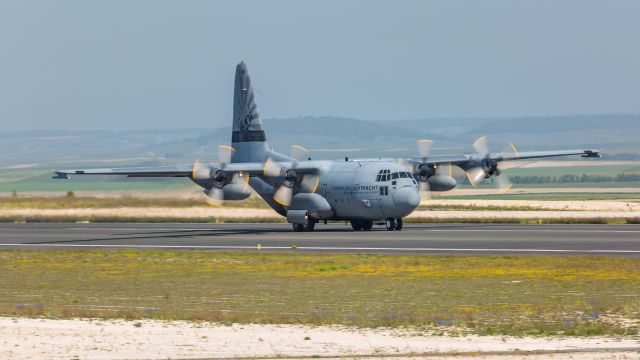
394,175
403,175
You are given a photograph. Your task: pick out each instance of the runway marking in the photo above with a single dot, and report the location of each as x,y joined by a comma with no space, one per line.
325,248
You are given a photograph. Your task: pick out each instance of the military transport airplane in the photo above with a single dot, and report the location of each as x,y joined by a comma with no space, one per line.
361,191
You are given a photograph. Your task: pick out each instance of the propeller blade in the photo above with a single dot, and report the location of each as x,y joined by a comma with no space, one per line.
299,153
446,170
515,151
272,168
480,145
424,190
215,196
241,178
309,183
283,195
224,153
503,183
475,176
200,171
424,147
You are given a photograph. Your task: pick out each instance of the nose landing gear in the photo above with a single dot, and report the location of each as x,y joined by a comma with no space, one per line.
393,224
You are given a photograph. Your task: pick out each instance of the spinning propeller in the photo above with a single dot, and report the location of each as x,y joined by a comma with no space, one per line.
217,178
306,182
487,167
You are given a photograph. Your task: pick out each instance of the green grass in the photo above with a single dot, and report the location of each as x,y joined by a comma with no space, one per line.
443,294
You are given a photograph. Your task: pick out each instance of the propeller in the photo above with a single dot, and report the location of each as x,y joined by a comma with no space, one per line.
487,167
424,147
299,153
306,182
423,171
216,178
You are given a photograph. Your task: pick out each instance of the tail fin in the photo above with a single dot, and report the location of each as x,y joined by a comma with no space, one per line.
247,136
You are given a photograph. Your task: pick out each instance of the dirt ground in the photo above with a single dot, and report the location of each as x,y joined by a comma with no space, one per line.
533,209
590,205
24,338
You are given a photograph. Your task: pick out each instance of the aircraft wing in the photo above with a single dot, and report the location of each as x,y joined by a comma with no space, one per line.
462,160
144,171
589,153
252,168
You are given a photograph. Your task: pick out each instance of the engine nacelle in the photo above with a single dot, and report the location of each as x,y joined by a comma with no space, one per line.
236,191
441,183
315,205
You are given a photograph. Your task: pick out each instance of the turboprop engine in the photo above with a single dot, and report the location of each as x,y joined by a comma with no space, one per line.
221,185
437,178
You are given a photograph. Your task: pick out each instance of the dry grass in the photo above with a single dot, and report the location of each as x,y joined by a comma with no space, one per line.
485,295
64,202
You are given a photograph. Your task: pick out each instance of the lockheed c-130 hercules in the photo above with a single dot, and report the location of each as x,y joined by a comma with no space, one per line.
361,191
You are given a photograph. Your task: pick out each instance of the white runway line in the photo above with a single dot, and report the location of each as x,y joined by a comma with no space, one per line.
325,248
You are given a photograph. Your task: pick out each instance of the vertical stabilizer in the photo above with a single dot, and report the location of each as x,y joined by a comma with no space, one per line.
247,136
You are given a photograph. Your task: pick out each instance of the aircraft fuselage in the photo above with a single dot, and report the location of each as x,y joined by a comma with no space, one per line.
367,190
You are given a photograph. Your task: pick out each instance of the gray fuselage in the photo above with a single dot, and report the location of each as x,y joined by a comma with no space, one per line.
359,189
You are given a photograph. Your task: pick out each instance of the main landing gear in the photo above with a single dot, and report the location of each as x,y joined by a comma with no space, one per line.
393,224
359,225
309,226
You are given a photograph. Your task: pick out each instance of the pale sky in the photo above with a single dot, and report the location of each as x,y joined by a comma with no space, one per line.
144,64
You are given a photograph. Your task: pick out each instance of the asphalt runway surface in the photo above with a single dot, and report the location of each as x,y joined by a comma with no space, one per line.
467,239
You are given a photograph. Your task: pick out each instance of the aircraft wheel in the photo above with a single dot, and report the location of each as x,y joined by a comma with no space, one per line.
390,224
298,227
398,224
310,226
367,225
356,225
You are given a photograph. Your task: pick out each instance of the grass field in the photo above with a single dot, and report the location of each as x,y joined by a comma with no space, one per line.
65,202
444,294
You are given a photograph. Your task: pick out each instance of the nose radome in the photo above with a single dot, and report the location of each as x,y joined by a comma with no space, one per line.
406,199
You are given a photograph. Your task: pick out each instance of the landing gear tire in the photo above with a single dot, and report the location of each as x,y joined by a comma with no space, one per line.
309,226
356,225
390,224
367,225
393,224
398,224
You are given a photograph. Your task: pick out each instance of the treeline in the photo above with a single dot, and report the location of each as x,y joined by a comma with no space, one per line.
569,178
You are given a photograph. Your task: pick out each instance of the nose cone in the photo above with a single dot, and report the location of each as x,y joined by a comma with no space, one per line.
406,199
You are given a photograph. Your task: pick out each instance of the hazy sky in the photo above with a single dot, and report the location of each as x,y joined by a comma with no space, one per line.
140,64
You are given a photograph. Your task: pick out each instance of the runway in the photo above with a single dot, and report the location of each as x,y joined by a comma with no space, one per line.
469,239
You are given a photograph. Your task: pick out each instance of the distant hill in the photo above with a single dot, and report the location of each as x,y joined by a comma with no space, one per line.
326,137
